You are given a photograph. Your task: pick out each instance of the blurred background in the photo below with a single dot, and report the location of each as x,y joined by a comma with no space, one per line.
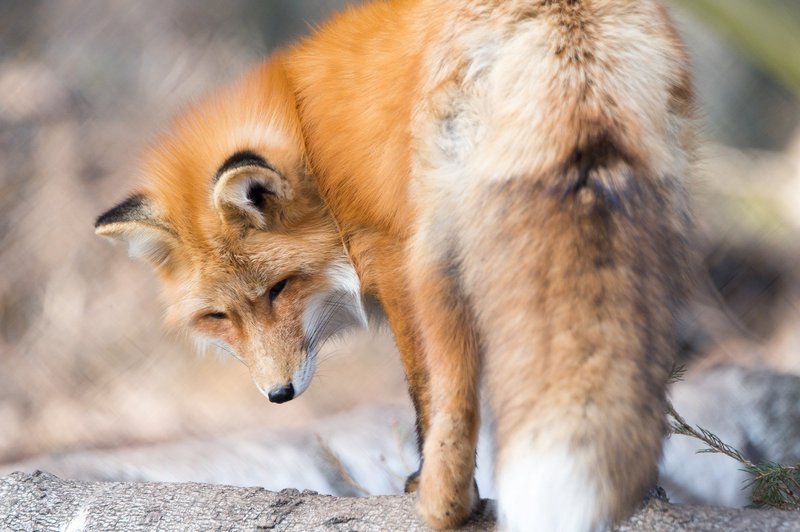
84,360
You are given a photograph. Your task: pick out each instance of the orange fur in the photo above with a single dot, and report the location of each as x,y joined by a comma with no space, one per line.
213,262
519,165
508,180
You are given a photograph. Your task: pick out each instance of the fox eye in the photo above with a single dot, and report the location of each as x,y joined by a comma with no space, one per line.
216,315
276,289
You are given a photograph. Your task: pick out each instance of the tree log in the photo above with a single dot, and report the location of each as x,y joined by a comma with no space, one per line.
41,501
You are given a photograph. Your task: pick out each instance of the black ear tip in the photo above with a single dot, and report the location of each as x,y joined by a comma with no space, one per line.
102,219
239,159
133,208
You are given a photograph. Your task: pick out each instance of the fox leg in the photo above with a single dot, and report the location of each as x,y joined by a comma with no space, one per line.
389,282
447,492
398,312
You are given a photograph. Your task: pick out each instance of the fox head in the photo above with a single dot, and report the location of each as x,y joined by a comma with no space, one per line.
249,258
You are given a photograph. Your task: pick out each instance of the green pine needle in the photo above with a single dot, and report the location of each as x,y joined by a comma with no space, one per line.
677,373
775,485
772,484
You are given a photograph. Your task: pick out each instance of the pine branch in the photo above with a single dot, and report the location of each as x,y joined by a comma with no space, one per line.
772,484
775,485
677,374
715,445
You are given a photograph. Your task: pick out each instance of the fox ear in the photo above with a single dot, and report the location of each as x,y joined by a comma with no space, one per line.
250,191
135,222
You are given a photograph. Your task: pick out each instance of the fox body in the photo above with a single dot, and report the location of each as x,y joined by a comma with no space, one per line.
507,178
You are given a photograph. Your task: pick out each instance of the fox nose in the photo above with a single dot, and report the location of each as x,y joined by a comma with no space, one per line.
281,394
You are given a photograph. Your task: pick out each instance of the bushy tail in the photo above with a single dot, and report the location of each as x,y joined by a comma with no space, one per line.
575,285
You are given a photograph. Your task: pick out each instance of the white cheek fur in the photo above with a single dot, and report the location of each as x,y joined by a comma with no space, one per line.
302,377
333,311
203,344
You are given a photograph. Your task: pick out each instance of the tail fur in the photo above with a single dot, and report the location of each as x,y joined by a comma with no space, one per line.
577,361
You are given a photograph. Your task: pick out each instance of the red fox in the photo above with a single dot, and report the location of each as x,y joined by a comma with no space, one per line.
507,178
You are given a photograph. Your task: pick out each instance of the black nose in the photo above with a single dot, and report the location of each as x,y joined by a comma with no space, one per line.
281,394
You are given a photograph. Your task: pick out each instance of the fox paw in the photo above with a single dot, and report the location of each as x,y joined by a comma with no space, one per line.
412,482
442,506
